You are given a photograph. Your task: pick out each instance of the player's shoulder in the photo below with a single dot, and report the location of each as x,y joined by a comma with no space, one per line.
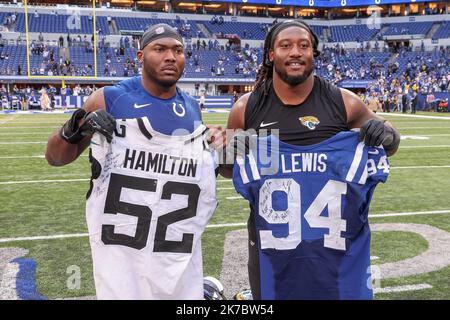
95,101
241,104
186,97
236,118
126,85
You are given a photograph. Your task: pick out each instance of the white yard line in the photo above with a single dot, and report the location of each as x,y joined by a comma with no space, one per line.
411,287
8,120
435,135
432,146
420,167
223,225
22,157
24,133
58,236
41,181
401,214
413,116
37,122
27,157
24,142
414,128
46,127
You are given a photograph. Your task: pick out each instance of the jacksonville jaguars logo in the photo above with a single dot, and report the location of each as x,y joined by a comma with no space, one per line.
310,122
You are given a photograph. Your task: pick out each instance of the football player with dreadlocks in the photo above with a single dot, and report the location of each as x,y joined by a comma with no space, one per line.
306,110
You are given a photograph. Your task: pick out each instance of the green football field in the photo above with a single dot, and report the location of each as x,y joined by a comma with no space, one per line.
410,214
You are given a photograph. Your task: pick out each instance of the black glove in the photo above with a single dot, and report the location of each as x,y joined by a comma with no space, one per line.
99,120
375,132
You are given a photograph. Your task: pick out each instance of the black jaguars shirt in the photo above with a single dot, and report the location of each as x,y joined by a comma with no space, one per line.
319,117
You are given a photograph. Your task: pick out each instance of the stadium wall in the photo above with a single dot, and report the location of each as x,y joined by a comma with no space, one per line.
215,102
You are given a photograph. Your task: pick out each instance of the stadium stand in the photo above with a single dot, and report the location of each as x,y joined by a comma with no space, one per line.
354,53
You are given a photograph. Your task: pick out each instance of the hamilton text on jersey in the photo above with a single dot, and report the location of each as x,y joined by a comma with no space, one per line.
160,163
304,162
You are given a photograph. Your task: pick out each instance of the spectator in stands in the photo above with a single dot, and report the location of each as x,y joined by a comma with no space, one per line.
443,105
202,102
5,101
189,53
44,100
51,94
36,14
386,101
61,41
63,94
374,103
404,102
23,102
33,101
197,87
235,96
414,102
430,101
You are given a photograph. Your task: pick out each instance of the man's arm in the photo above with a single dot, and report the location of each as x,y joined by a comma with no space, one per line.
59,152
236,122
359,116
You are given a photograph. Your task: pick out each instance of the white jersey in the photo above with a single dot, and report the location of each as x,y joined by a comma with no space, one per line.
151,197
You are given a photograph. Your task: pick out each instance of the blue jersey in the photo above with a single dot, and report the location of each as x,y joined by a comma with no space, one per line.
128,99
310,207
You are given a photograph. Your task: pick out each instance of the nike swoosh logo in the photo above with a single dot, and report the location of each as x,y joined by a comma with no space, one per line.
374,151
262,125
138,106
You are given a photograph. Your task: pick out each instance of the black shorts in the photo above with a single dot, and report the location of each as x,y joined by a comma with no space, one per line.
253,258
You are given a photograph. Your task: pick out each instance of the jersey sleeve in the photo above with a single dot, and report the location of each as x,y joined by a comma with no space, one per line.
245,173
378,167
110,93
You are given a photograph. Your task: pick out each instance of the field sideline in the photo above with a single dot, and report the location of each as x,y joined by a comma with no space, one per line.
42,210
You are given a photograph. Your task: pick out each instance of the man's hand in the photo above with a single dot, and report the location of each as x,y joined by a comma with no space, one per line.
217,137
376,132
82,124
239,145
98,121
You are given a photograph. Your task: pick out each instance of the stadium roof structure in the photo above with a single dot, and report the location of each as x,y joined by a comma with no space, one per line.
323,3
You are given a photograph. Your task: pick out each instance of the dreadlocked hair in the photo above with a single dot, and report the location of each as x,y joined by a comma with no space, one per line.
265,71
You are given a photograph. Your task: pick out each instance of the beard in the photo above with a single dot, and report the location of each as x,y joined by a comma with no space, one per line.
297,79
151,74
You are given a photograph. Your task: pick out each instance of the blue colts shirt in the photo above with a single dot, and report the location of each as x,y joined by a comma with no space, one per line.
178,115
